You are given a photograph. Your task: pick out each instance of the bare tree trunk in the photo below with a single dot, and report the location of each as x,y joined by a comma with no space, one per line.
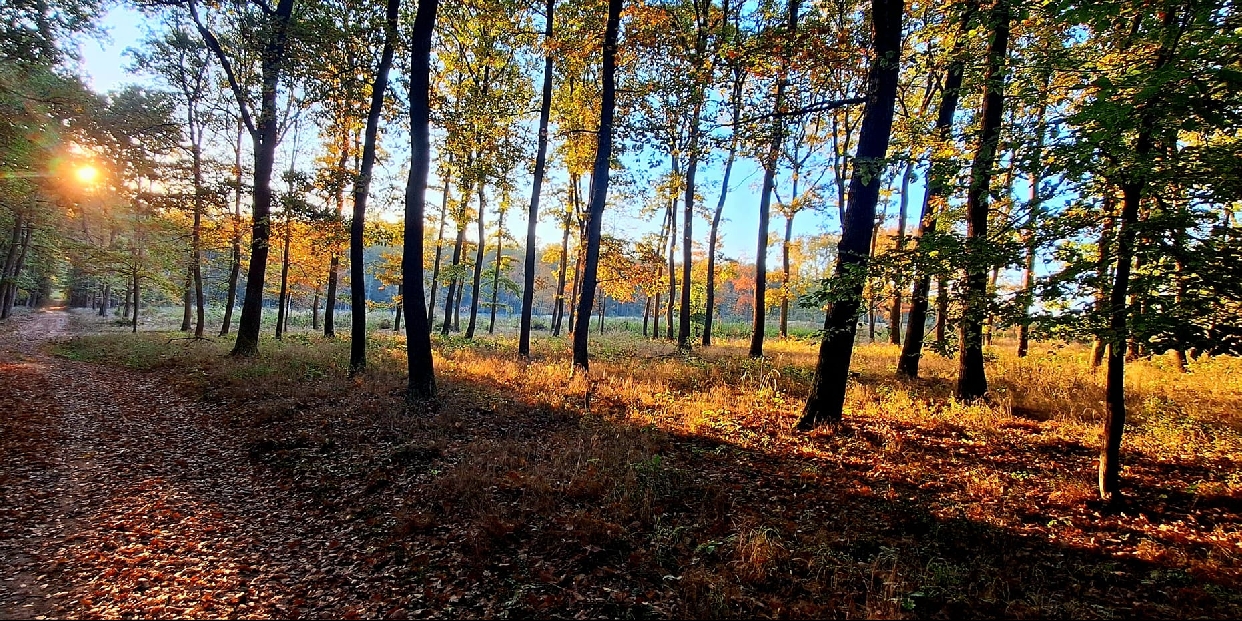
687,238
785,272
672,254
532,216
264,133
899,280
235,257
827,397
362,192
599,184
103,300
558,310
396,320
739,78
315,312
284,281
435,269
453,282
476,283
939,184
500,242
187,300
422,383
137,302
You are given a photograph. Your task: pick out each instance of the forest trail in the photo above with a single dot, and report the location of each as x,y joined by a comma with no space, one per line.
117,498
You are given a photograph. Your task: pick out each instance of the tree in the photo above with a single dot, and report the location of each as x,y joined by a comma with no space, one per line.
422,378
972,382
358,330
770,163
599,186
263,125
185,64
940,174
827,396
532,216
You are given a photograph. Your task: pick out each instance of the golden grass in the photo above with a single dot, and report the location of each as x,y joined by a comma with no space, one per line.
1020,463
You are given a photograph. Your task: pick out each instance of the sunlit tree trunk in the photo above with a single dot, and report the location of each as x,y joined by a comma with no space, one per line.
770,163
713,234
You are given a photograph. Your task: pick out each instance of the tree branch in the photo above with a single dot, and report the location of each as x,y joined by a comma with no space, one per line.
214,44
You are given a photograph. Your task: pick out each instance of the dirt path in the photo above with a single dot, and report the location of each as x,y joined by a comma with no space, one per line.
117,498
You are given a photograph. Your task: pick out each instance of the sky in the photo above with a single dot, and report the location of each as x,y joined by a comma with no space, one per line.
104,62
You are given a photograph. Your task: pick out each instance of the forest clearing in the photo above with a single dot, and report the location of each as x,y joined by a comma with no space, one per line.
620,308
680,491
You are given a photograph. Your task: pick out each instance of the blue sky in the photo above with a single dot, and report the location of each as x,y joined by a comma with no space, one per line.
103,62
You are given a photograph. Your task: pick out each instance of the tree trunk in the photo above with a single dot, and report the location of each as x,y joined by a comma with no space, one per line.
559,310
939,185
599,185
315,313
103,300
1103,290
435,269
396,320
453,282
500,242
713,234
765,201
137,303
687,238
265,134
899,280
235,256
672,254
827,397
476,283
942,310
532,216
603,301
1115,420
9,292
422,383
187,300
972,380
362,190
129,290
282,310
785,272
646,317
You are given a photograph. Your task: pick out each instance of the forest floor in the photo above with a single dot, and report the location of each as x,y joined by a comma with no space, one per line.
149,475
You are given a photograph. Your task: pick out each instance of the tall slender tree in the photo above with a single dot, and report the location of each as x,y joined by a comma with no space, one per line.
972,380
599,187
422,378
832,366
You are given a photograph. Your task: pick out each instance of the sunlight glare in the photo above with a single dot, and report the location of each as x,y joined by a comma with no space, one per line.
87,174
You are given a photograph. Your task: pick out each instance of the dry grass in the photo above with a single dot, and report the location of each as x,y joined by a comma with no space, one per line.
673,485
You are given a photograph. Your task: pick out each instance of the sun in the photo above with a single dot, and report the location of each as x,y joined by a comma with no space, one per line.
87,173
